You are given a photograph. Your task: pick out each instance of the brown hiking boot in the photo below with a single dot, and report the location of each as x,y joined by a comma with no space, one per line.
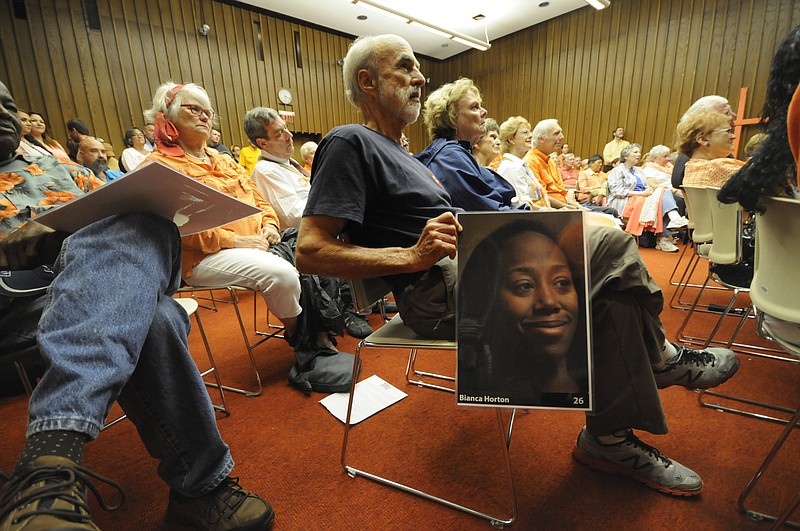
51,493
226,507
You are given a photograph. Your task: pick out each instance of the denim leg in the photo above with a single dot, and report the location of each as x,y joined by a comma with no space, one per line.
668,202
168,402
108,317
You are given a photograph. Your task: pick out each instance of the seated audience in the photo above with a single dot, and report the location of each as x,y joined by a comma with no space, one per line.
28,147
487,148
248,157
134,152
547,138
753,145
592,183
614,147
402,226
76,130
92,154
215,142
149,137
704,104
307,151
516,140
109,331
113,161
569,170
658,172
38,136
560,158
238,252
235,150
707,139
644,206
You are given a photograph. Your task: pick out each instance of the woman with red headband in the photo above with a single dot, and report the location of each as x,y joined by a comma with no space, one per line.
236,253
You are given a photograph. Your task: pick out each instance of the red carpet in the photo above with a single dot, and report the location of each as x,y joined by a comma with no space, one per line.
287,448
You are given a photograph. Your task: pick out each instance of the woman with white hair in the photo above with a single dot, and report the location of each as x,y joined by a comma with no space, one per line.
658,172
628,192
238,252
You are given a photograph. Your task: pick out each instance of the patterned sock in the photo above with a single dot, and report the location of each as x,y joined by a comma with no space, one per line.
67,444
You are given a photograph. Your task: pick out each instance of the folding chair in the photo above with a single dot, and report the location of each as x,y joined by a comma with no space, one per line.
395,334
702,233
274,330
776,296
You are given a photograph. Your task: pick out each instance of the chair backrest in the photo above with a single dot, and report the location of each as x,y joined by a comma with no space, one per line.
726,221
367,291
697,198
775,289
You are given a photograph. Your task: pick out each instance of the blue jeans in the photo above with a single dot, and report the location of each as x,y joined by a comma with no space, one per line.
109,329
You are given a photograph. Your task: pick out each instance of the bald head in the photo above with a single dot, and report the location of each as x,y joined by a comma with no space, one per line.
92,154
10,127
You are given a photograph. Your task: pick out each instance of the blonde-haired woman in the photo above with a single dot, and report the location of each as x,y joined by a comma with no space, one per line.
707,139
515,141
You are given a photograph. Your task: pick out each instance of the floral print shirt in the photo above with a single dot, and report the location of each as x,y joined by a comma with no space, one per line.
30,185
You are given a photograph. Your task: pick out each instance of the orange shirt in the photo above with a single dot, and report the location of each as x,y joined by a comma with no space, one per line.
228,177
547,172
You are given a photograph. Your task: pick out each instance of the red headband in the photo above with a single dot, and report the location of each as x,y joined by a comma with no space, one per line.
166,134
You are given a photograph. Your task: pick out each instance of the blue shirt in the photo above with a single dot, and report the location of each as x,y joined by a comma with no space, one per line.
470,185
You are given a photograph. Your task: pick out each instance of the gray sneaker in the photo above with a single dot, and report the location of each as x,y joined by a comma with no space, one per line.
638,460
698,369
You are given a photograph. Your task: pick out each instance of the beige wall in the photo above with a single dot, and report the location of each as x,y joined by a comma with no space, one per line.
638,64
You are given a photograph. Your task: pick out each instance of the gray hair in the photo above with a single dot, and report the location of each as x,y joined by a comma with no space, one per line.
543,128
659,151
305,148
170,110
256,122
627,150
707,103
361,56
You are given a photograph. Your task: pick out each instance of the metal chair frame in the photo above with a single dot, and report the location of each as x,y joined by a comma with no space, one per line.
249,345
394,334
777,231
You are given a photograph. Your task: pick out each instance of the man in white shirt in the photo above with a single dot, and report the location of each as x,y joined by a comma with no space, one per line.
279,178
285,185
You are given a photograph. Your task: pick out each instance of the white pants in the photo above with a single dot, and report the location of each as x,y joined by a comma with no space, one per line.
276,279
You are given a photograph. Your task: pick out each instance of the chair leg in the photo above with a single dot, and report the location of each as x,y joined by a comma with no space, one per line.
505,434
23,378
412,369
213,370
756,515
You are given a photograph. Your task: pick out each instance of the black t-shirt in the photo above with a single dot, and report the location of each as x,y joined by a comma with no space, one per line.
367,178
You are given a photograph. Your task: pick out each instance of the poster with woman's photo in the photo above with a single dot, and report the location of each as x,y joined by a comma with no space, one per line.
523,314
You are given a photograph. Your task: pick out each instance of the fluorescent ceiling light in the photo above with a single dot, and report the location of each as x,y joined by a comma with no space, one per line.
430,29
437,30
598,4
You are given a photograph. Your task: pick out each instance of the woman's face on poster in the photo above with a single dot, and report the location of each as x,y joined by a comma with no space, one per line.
538,293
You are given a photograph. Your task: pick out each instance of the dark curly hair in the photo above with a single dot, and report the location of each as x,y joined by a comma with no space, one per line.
768,172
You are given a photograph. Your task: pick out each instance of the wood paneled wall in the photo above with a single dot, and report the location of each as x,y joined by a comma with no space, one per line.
54,63
638,63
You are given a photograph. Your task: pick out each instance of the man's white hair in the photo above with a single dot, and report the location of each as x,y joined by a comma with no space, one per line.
707,103
306,148
543,128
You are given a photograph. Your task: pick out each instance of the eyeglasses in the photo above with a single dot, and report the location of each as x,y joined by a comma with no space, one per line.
197,111
729,130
